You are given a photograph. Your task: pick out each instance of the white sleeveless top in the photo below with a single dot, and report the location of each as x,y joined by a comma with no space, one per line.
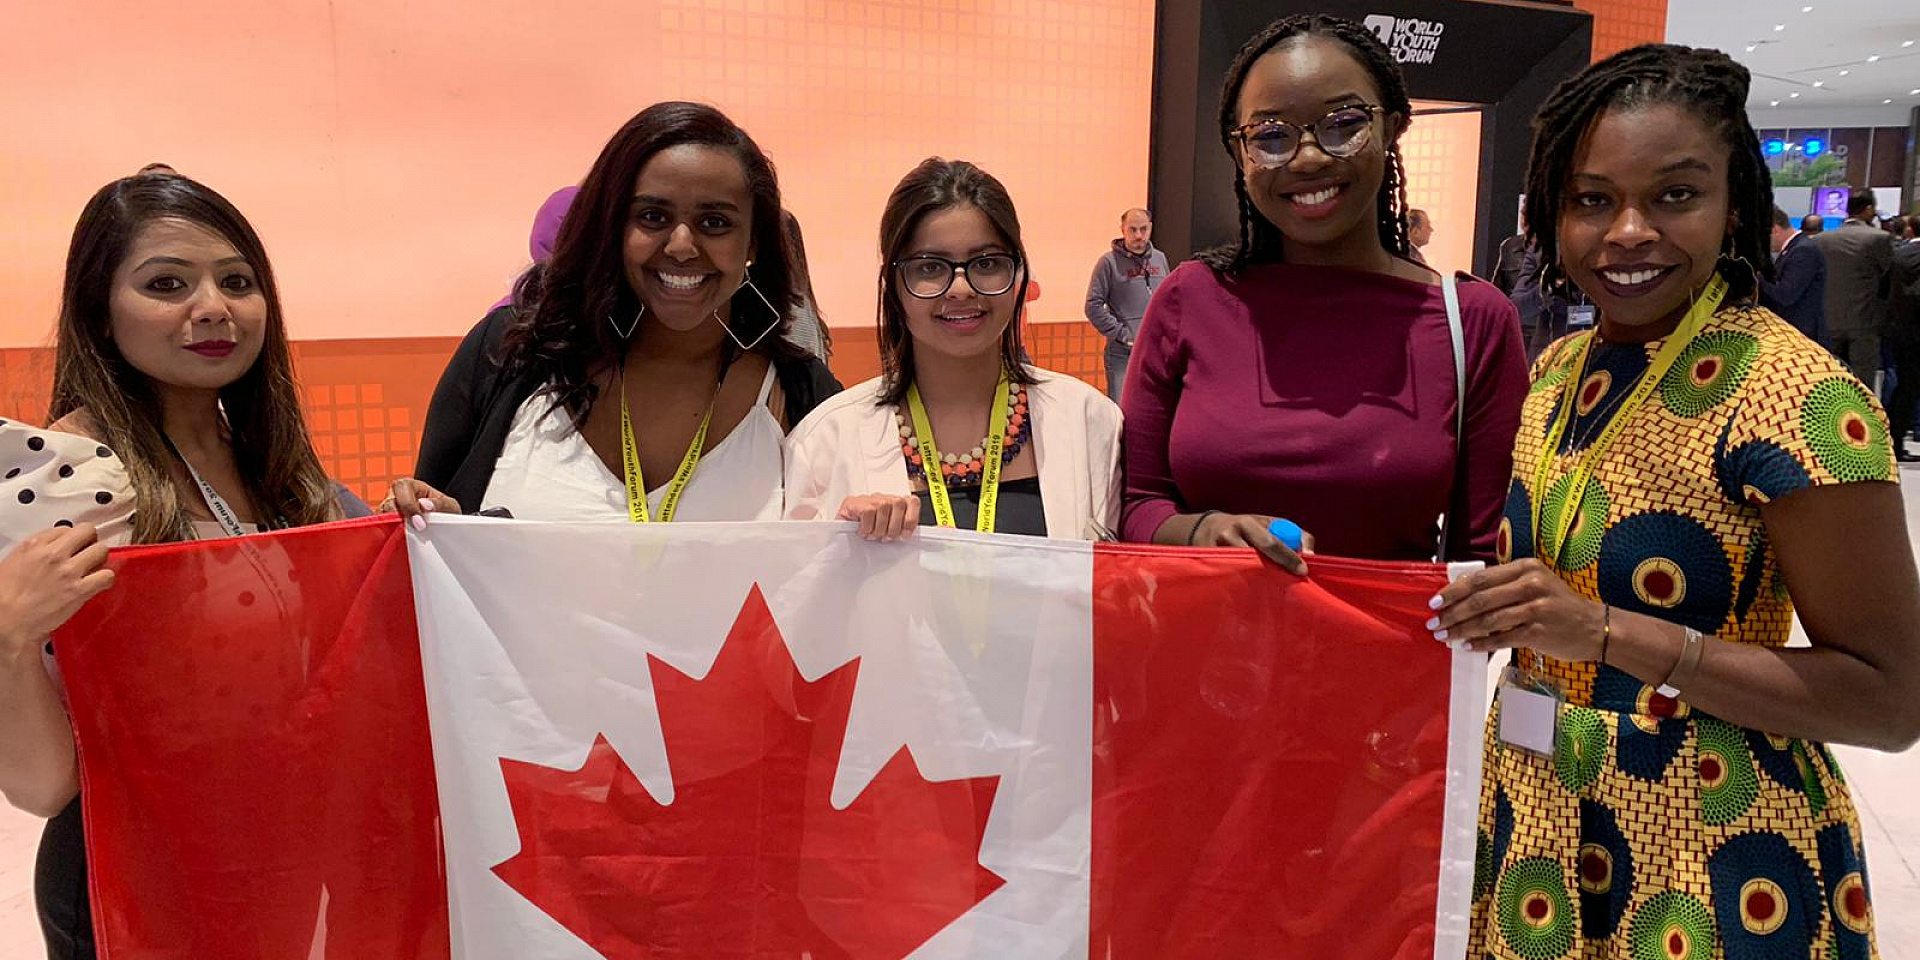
547,471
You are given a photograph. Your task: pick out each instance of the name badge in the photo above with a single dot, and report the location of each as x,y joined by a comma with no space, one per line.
1581,316
1529,718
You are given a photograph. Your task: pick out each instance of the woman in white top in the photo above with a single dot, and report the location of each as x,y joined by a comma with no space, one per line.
176,418
643,373
1019,449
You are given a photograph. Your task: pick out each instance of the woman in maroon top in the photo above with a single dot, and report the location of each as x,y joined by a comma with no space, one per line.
1306,371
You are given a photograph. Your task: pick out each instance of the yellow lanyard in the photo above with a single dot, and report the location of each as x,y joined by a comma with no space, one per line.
989,470
1703,307
630,462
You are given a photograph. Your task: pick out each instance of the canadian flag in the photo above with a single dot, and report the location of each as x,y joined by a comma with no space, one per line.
505,739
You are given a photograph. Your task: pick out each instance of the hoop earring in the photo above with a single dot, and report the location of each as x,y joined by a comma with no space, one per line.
1753,275
746,283
627,334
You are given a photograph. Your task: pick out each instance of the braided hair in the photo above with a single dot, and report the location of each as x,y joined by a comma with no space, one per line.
1259,239
1710,86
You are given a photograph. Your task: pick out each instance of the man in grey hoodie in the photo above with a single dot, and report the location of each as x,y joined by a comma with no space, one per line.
1123,281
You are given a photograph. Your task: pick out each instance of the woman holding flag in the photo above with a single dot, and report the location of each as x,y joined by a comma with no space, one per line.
1687,477
177,418
957,431
642,373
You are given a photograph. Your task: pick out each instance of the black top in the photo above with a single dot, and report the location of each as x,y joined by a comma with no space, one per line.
1019,509
473,408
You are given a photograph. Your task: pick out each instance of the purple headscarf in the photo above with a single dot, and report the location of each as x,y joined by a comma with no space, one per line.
546,230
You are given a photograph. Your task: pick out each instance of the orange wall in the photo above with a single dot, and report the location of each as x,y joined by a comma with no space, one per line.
1619,24
392,154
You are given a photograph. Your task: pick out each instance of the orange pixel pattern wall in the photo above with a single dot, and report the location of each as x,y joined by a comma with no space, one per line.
392,155
1619,24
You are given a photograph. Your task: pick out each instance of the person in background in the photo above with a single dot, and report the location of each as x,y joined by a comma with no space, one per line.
643,372
952,279
1859,257
175,418
809,329
1508,268
1813,224
1798,290
1307,370
546,230
1419,233
1688,476
1903,333
1117,295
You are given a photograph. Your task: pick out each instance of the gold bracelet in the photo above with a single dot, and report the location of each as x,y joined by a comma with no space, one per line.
1606,630
1684,668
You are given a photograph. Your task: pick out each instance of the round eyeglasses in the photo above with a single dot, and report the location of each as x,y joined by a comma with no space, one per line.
1343,132
928,277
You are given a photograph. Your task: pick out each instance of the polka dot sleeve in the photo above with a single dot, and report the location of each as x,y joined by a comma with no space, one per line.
1802,421
52,479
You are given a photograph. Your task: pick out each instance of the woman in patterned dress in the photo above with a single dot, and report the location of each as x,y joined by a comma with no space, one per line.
1711,470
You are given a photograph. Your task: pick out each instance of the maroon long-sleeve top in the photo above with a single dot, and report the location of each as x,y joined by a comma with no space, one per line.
1326,396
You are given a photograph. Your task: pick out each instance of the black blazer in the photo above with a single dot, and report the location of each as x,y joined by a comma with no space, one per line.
474,404
1798,290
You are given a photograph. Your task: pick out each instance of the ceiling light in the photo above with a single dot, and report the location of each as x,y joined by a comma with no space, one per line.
1914,92
1774,103
1909,43
1874,59
1845,72
1819,83
1806,9
1779,27
1750,47
1794,95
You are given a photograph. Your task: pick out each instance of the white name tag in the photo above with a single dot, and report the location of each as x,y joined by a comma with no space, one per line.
1528,718
1581,316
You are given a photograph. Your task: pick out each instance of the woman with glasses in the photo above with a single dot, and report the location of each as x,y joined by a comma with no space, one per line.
957,431
1307,371
642,373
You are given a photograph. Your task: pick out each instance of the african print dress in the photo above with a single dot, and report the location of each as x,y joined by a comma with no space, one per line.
1656,831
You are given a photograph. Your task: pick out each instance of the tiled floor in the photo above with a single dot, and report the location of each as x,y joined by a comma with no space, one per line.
1884,787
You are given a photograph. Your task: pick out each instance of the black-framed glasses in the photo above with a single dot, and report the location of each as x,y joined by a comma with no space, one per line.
928,277
1343,132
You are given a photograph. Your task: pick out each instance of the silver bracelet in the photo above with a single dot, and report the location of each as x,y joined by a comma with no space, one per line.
1684,668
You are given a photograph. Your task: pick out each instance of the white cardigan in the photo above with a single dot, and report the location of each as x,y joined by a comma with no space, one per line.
850,445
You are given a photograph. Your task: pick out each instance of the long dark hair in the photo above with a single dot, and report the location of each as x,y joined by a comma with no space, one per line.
931,187
1259,239
562,332
271,450
1712,87
803,279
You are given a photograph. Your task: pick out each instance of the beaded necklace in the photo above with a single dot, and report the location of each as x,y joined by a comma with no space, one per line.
966,469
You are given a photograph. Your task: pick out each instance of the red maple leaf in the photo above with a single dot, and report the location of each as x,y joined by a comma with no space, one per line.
750,860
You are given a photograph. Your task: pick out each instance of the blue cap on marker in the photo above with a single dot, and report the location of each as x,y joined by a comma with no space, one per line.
1287,532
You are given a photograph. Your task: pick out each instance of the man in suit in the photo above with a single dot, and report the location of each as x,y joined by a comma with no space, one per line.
1798,290
1903,331
1859,258
1812,224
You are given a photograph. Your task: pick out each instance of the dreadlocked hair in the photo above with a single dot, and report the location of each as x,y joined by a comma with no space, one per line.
1710,86
1259,240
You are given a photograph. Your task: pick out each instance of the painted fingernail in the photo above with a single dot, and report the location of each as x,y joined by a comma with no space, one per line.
419,522
427,505
1439,634
1433,623
1436,603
